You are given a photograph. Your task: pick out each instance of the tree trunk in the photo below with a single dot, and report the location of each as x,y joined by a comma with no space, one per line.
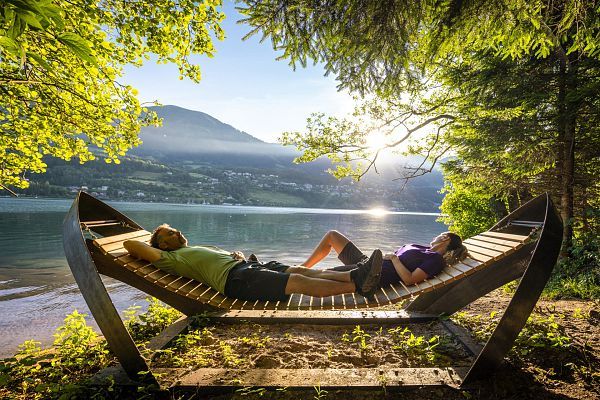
567,125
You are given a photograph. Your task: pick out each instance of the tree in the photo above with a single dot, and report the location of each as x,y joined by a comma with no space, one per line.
404,53
60,62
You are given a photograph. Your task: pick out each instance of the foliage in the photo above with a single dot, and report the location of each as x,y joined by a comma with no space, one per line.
540,331
413,346
60,62
466,209
60,371
360,337
579,275
384,46
150,323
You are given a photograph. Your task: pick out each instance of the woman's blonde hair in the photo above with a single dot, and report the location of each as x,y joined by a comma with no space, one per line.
456,250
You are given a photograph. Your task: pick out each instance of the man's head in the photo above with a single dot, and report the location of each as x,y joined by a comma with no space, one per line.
166,238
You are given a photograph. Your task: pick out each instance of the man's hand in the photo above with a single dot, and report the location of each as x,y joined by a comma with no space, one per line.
390,256
238,255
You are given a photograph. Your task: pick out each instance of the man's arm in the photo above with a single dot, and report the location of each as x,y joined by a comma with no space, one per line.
409,278
142,250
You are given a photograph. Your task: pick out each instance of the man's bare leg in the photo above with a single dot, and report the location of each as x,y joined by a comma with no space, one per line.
317,287
332,240
320,273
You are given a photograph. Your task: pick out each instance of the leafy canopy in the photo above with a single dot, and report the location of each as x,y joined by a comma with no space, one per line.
399,54
60,62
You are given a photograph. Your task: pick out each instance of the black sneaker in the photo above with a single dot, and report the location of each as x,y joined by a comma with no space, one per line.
368,274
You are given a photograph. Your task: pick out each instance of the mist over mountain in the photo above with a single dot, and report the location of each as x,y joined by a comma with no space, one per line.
196,136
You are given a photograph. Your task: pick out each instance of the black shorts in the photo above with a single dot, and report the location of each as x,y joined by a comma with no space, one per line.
257,281
350,256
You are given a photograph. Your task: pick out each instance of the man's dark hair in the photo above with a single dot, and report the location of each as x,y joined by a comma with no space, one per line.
154,237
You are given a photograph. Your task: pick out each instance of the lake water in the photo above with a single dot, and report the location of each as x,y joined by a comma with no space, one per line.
37,289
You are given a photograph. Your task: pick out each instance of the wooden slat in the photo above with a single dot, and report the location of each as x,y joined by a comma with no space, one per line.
376,298
473,263
210,381
327,303
444,277
125,258
349,300
305,302
178,283
481,250
491,246
452,272
156,275
145,270
110,247
382,298
199,288
167,280
122,237
480,257
271,305
294,301
507,236
463,268
495,240
400,290
91,224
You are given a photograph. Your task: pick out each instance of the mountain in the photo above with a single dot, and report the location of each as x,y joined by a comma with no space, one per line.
187,135
195,158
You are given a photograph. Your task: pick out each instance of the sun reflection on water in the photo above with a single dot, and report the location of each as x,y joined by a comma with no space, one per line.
377,212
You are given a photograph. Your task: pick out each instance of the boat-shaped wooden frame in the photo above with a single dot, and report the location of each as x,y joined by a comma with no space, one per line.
533,263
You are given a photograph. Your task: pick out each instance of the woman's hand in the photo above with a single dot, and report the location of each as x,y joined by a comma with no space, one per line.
238,255
390,256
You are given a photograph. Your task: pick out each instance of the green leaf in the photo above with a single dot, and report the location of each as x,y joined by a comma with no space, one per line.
11,46
29,18
40,61
77,45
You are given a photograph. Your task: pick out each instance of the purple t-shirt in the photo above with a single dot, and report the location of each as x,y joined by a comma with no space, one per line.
413,256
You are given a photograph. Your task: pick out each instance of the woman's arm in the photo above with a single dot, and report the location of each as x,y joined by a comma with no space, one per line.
142,250
409,278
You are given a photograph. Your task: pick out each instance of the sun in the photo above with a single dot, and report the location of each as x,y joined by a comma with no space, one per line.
376,141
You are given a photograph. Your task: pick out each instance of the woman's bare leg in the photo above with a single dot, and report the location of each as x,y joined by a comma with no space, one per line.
332,240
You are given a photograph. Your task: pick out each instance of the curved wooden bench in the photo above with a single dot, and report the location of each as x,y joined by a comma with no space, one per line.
525,245
484,249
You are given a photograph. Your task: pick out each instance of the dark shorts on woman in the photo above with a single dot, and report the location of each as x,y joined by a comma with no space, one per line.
256,281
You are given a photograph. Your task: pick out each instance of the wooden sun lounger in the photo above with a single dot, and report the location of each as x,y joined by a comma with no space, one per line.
484,250
524,244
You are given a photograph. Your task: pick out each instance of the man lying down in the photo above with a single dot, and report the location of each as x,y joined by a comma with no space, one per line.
231,274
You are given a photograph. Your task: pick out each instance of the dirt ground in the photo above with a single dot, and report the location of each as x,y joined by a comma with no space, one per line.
569,372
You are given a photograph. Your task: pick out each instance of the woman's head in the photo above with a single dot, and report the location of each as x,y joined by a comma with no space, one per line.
450,245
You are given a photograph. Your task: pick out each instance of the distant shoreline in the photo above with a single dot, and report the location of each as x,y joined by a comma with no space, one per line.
378,211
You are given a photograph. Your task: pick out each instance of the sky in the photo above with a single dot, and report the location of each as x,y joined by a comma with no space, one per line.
244,86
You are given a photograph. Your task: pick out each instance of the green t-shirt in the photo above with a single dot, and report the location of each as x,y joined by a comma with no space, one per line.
207,264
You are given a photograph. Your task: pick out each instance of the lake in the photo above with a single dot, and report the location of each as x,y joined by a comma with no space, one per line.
37,289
